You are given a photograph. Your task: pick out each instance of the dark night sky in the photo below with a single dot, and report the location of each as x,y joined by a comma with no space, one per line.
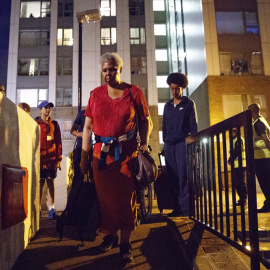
4,31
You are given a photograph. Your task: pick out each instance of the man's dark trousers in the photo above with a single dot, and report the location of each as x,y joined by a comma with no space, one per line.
262,171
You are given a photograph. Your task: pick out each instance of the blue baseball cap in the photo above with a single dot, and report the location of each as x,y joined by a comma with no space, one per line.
44,104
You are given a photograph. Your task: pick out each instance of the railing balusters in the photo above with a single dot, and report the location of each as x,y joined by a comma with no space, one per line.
209,182
233,186
197,177
205,170
220,186
204,179
201,183
214,181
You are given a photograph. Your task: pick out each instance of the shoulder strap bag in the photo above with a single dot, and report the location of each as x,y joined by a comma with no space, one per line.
146,167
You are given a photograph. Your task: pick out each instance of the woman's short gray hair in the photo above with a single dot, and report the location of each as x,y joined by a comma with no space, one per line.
111,56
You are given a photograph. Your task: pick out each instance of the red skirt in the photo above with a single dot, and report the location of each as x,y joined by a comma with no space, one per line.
116,193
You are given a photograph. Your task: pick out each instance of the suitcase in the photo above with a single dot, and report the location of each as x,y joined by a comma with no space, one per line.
166,197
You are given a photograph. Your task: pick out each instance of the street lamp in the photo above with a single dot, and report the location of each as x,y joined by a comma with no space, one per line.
87,16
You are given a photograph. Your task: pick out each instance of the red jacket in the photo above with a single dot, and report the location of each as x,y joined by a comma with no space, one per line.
50,144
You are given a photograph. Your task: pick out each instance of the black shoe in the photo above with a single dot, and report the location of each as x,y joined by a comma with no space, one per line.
125,251
109,241
175,213
264,209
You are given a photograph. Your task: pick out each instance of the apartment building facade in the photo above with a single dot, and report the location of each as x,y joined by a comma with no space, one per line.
44,54
223,47
226,55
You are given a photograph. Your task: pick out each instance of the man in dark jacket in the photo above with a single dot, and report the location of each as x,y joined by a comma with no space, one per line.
179,121
261,135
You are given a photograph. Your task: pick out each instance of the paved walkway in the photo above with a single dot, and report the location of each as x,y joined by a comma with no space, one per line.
161,244
154,246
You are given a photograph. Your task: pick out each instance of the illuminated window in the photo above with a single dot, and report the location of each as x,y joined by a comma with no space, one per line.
33,67
160,30
107,8
161,55
108,36
65,8
35,9
27,67
234,104
63,97
65,37
33,97
161,108
158,5
240,63
161,82
64,66
137,36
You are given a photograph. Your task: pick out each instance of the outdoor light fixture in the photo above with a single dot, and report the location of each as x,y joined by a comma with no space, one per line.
87,16
204,140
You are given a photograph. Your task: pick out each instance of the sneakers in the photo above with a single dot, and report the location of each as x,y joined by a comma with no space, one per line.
125,251
51,214
264,209
109,241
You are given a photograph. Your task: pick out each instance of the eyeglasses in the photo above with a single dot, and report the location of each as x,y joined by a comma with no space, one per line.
234,130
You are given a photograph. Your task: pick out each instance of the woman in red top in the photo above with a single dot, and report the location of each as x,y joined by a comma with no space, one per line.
110,115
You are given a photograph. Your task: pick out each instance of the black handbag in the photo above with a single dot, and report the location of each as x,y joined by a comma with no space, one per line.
146,169
81,212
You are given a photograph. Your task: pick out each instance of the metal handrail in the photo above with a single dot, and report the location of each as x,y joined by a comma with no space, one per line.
209,178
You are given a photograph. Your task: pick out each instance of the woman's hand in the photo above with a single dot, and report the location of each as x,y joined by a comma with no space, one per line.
84,162
83,166
144,148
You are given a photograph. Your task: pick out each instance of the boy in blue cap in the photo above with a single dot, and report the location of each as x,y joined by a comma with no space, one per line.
50,152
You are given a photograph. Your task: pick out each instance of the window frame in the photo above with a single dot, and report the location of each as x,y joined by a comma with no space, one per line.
136,8
47,11
140,38
37,67
38,101
111,8
38,39
62,38
104,39
61,67
62,97
246,26
63,10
